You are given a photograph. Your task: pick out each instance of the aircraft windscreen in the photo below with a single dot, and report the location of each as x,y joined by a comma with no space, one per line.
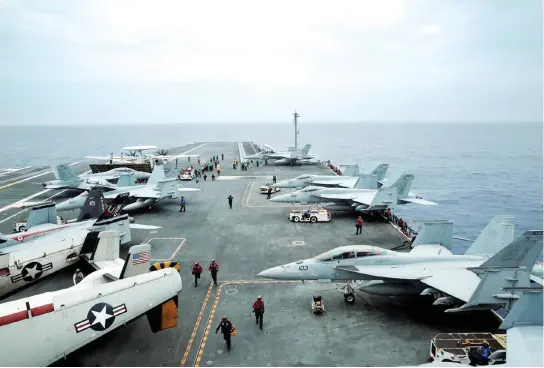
309,189
335,254
302,177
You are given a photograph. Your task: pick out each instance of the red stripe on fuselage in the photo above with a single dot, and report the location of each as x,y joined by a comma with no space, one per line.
26,235
14,317
42,309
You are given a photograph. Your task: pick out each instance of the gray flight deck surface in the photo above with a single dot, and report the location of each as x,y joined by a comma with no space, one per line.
253,236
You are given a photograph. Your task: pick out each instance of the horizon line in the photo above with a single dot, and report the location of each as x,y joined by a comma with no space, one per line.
265,122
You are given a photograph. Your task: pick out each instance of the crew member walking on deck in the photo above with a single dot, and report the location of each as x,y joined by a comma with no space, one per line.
205,176
78,277
359,225
197,270
226,329
274,179
258,309
182,204
213,177
269,192
222,157
230,198
213,268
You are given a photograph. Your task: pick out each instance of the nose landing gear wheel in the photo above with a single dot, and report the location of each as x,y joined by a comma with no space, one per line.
296,219
350,298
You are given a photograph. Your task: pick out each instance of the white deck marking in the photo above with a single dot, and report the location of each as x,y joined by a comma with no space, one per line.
8,171
33,177
18,213
24,200
192,149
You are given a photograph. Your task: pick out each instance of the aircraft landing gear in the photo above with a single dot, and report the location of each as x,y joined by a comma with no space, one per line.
349,294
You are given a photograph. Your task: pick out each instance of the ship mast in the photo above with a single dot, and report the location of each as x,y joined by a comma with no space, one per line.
296,116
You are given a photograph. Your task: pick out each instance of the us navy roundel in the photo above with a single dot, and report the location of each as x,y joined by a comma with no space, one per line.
100,317
32,271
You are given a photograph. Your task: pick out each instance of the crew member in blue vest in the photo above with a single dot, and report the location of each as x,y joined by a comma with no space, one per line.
182,204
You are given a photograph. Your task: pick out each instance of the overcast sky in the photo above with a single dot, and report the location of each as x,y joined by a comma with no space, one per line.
111,61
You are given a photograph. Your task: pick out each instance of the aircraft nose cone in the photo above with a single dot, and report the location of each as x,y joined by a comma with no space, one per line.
269,273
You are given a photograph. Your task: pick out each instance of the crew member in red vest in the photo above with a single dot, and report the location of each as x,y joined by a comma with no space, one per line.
197,270
359,225
258,309
214,268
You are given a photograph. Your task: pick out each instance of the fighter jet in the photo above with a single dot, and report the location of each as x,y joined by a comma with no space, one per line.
358,198
44,222
147,195
349,178
55,324
293,156
136,155
66,178
428,269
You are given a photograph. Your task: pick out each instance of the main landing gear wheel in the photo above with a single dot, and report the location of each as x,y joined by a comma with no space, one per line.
296,219
349,294
313,219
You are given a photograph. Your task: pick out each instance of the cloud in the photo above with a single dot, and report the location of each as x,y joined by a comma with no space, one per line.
389,56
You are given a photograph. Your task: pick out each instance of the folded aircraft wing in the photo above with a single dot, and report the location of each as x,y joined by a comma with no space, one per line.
457,282
360,198
278,156
145,192
416,200
345,183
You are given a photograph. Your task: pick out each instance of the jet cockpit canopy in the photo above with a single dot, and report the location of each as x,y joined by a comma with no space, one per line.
350,252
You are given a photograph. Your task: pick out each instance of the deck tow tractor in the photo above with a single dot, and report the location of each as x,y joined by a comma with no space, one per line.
317,305
313,216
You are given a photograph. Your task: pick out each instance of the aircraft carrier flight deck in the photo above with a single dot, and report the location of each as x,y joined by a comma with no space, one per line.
255,235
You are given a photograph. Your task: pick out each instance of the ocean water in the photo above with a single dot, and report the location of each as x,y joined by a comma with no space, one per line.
474,171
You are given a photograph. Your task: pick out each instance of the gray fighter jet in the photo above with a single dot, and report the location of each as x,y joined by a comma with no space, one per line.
428,269
293,156
359,198
158,187
66,178
349,178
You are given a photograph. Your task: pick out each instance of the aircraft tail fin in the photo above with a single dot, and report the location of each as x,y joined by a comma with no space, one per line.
45,213
126,180
168,188
304,151
107,245
497,234
366,181
351,170
93,207
385,198
113,209
403,184
526,312
435,232
380,171
504,273
137,261
66,173
156,175
520,253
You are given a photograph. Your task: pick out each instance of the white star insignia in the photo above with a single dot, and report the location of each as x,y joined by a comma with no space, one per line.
101,317
32,272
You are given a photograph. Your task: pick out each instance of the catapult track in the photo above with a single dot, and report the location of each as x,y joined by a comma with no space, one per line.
253,236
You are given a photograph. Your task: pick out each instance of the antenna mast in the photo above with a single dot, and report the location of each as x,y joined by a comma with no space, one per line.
296,115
